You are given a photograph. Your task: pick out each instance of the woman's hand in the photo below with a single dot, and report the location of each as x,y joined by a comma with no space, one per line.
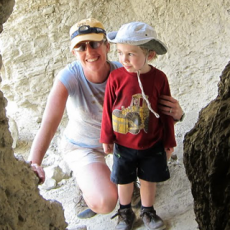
39,172
108,148
170,106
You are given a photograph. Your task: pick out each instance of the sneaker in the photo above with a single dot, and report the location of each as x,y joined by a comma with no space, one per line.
151,220
136,198
126,219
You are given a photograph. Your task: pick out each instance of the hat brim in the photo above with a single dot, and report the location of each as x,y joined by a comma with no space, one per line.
148,43
155,45
85,37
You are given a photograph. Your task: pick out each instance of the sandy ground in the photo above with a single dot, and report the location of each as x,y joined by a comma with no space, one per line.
174,203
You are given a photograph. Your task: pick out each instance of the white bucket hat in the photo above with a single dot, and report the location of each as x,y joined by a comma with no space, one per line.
139,34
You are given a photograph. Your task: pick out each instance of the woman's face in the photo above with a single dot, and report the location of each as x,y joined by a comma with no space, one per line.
94,56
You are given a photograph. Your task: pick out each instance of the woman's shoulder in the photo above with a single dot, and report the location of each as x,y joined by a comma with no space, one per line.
74,66
72,69
70,72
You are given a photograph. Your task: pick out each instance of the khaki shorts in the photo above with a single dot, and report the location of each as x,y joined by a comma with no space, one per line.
77,157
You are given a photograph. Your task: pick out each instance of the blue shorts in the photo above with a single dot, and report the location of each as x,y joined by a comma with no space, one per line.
149,164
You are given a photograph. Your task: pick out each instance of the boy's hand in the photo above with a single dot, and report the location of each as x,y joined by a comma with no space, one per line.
169,152
108,148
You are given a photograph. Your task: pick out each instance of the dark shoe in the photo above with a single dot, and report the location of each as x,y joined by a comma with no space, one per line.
151,220
88,213
126,219
136,198
81,206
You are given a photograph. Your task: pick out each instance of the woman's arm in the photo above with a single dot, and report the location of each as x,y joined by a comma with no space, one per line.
51,119
170,106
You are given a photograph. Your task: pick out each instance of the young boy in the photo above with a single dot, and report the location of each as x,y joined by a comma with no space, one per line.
143,137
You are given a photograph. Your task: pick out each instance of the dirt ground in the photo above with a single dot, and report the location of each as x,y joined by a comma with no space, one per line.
174,203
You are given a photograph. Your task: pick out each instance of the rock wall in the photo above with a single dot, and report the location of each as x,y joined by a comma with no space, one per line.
21,205
207,160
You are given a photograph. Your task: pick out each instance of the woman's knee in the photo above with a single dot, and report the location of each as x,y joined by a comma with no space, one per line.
99,192
103,203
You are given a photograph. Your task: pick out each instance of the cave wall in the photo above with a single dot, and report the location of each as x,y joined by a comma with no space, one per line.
207,160
35,46
21,206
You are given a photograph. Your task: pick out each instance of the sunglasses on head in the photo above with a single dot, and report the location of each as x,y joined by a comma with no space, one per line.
80,47
85,29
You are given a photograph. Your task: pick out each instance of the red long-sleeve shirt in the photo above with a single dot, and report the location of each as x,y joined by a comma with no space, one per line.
126,118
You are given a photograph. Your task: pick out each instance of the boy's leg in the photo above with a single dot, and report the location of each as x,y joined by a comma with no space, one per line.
126,216
151,220
125,192
124,174
148,192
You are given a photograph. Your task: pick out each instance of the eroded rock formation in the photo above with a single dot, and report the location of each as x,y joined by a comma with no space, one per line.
207,160
21,206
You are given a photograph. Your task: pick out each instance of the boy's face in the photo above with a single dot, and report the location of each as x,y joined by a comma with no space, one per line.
133,58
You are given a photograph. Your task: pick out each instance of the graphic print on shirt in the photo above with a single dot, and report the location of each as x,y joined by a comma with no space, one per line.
133,118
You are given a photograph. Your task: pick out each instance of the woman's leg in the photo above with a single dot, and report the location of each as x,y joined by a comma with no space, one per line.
98,191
